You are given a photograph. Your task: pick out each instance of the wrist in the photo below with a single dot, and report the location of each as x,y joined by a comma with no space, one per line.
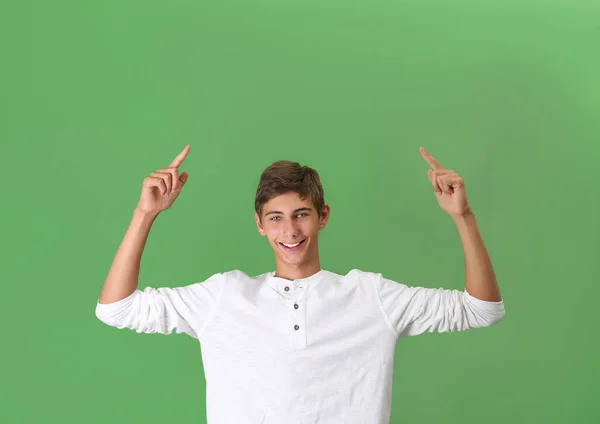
466,216
144,216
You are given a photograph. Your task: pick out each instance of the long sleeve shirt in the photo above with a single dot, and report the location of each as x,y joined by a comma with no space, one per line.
317,350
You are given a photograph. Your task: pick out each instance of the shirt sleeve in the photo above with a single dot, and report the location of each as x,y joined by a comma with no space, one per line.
164,310
411,311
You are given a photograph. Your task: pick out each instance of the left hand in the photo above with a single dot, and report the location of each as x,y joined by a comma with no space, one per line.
448,186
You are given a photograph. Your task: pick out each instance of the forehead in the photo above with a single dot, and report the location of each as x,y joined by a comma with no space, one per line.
287,202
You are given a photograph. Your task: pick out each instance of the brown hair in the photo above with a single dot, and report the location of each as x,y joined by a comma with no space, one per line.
285,176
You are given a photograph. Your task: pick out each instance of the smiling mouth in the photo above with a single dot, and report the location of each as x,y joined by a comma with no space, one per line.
290,247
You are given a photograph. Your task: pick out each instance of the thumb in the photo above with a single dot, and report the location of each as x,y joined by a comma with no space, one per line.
183,178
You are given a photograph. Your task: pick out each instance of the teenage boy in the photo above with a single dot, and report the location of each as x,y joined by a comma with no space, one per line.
300,344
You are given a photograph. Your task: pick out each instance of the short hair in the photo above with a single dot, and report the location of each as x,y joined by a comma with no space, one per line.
284,176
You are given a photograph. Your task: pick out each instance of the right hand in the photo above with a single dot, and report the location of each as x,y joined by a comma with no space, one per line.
161,188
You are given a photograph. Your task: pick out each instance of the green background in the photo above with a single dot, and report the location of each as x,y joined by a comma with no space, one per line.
96,95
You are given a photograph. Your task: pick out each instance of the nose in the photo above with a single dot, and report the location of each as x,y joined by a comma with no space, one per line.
290,230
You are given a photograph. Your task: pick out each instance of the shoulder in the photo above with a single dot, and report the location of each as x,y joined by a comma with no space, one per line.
362,274
372,279
237,276
356,276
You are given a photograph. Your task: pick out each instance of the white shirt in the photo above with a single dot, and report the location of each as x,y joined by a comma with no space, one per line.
317,350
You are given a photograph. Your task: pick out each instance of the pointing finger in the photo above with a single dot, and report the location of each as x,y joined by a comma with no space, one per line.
430,160
180,157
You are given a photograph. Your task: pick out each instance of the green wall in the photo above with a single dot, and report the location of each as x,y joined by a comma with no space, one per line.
96,95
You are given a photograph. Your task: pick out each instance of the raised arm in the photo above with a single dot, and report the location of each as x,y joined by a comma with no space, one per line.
159,191
154,310
451,196
415,310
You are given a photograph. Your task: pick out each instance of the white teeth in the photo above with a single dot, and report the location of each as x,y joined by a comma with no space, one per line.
291,245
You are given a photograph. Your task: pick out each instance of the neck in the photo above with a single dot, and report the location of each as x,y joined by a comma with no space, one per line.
295,272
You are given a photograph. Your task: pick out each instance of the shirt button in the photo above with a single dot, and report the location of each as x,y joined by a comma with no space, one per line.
295,306
287,288
296,327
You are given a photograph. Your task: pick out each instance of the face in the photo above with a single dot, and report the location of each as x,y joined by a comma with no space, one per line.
291,220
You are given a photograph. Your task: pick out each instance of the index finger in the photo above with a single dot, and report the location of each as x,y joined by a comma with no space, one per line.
180,157
430,160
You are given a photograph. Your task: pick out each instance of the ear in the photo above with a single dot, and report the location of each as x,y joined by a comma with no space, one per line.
259,226
324,216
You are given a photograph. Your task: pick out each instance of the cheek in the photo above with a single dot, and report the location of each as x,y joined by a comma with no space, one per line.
272,232
312,227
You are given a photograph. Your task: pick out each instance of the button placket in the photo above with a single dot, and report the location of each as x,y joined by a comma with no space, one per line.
297,318
298,298
294,298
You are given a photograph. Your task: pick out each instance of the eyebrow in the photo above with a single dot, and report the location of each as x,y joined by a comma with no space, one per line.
296,211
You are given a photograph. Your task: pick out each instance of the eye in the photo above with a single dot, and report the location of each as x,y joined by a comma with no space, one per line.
302,214
273,219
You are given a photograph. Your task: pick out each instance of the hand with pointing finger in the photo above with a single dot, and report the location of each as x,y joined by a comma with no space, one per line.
161,188
448,186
